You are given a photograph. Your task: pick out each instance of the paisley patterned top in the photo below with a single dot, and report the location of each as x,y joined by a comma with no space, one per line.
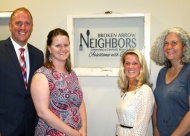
65,99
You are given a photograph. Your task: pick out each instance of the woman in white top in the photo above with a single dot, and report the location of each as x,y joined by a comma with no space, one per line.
135,107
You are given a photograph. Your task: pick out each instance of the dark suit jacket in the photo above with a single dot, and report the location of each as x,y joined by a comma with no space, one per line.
17,113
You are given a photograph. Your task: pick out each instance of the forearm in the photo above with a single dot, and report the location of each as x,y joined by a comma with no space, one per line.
184,126
82,111
154,118
53,121
154,126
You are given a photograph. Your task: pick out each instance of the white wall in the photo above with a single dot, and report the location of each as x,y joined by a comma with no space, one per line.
101,93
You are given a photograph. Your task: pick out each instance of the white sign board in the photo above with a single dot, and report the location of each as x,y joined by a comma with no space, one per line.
98,41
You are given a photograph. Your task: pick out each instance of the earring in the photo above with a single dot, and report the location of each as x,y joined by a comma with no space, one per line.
50,58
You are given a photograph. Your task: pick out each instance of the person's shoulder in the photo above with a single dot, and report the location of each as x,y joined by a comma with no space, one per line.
41,69
4,42
73,72
146,87
35,49
146,91
186,69
187,65
41,73
163,69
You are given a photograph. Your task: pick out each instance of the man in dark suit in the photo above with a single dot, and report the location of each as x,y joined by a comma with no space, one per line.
17,113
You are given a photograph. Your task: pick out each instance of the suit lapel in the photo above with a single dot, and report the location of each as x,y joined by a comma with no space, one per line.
32,65
12,53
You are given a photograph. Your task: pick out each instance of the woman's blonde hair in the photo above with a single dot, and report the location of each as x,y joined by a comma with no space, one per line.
142,78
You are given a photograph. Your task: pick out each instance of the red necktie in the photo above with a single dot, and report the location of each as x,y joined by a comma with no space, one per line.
23,66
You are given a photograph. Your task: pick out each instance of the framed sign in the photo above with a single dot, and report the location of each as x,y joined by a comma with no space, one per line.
5,14
4,27
98,41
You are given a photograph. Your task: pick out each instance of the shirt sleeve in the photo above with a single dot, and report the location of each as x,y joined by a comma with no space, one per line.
144,108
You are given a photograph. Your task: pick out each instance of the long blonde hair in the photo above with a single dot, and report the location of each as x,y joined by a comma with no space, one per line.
142,78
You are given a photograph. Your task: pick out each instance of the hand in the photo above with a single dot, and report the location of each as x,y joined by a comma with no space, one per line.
82,132
75,133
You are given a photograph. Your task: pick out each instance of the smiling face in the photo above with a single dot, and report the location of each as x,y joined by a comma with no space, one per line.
21,26
173,47
132,66
59,49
